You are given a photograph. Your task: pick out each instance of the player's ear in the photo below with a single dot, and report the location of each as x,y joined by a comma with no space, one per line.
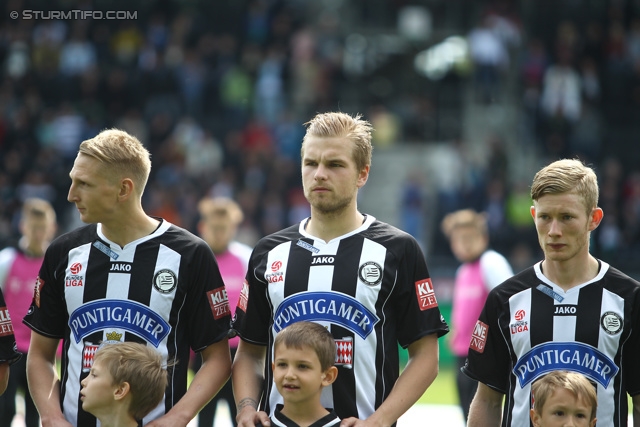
596,217
329,376
121,391
535,417
593,422
532,209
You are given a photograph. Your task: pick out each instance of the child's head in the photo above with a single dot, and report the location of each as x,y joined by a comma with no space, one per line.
122,371
468,233
312,335
304,358
562,394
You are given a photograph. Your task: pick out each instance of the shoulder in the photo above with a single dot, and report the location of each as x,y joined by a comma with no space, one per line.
388,235
615,278
179,238
240,249
7,255
491,256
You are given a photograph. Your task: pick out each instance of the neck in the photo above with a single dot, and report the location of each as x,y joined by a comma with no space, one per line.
304,414
570,273
130,228
32,247
329,226
117,417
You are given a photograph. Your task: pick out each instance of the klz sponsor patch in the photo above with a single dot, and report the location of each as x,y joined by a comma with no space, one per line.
219,302
426,294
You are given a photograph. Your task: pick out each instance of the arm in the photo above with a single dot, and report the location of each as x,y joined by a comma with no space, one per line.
485,407
42,376
417,376
212,375
4,377
636,410
247,377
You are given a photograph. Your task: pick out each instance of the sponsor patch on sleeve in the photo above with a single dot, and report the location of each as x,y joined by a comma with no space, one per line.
244,297
6,328
426,294
219,302
479,337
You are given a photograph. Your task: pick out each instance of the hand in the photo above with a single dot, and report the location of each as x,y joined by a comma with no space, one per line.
354,422
249,417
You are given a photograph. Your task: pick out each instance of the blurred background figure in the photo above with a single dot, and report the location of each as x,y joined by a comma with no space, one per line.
18,271
482,269
219,221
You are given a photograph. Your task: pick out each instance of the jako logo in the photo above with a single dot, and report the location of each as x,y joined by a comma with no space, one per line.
520,314
75,268
277,265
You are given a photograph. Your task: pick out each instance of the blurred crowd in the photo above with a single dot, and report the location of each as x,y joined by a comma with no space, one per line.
218,92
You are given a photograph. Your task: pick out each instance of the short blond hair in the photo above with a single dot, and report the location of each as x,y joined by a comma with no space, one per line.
220,208
574,382
567,176
312,335
140,366
464,218
342,125
122,153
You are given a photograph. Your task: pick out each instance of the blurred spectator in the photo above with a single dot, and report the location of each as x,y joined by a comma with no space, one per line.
78,54
490,59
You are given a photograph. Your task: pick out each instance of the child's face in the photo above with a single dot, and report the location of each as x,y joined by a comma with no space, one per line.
563,409
97,389
298,374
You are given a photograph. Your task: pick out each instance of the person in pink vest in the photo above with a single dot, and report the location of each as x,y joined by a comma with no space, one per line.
19,268
481,270
219,221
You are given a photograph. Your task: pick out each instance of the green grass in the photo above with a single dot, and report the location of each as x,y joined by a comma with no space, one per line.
443,389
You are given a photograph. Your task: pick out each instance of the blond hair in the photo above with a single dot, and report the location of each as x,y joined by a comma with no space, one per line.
141,367
122,153
220,208
576,383
34,207
312,335
342,125
567,176
464,218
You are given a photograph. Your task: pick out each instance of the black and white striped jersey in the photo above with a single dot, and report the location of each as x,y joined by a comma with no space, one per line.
530,326
370,287
164,289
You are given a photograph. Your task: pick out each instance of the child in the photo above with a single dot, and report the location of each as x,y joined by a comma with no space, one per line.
127,380
304,357
562,396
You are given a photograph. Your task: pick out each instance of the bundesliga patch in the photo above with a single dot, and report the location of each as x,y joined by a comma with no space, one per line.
426,294
219,302
88,353
344,352
6,328
479,337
